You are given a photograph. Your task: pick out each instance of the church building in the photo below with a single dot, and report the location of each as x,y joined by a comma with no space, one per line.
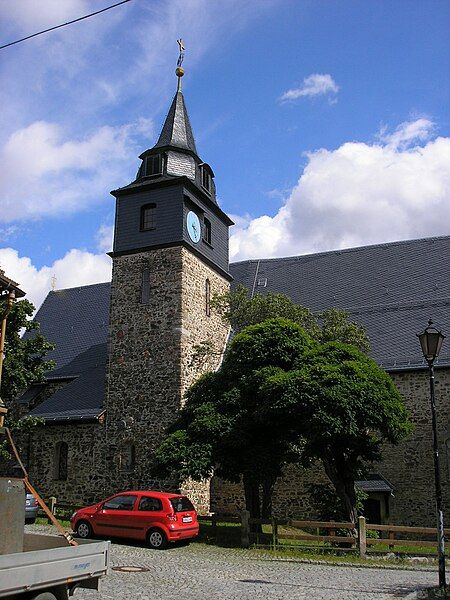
123,350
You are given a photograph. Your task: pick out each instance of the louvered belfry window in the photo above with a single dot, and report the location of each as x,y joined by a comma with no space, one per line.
148,217
206,179
207,230
153,165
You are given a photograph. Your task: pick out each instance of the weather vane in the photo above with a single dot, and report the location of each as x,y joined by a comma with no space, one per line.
179,70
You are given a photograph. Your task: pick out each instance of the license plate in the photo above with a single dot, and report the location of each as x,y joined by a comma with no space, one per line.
187,519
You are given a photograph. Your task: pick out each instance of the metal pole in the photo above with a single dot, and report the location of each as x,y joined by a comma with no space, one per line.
437,480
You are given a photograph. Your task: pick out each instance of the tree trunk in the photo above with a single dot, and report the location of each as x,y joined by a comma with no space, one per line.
345,489
252,501
267,489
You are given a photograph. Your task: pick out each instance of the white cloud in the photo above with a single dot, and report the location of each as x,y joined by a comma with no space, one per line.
44,173
105,238
76,268
30,16
358,194
317,84
420,130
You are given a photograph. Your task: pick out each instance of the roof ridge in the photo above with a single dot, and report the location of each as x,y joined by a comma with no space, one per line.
79,287
343,250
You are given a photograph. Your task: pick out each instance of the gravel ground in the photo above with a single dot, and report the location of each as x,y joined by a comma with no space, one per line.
201,572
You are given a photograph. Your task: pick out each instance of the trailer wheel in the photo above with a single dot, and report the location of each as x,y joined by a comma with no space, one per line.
44,596
83,529
157,539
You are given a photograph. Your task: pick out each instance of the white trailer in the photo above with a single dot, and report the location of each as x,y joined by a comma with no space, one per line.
49,569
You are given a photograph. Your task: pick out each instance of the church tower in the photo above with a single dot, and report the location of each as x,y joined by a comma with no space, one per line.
170,255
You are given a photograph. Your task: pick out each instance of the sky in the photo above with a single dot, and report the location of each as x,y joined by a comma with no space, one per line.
326,123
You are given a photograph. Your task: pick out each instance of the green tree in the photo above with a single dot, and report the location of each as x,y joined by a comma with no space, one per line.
344,407
25,361
23,428
238,308
24,365
280,396
222,429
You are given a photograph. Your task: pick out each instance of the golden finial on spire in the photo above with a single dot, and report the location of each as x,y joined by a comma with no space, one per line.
179,70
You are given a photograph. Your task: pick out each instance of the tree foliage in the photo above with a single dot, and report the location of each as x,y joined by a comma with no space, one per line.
282,396
25,361
238,308
221,427
344,407
22,427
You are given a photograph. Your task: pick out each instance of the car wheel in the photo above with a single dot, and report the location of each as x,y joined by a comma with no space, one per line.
83,530
157,539
44,596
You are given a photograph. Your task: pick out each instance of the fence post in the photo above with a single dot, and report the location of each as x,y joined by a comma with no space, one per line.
52,501
245,528
274,533
362,536
391,537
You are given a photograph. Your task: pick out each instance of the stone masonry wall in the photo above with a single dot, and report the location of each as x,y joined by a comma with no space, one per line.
198,326
408,466
85,462
150,352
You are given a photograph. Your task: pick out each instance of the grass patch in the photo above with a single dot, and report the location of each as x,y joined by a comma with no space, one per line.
44,521
226,535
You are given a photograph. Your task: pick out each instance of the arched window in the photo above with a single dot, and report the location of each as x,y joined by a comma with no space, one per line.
208,298
127,457
60,462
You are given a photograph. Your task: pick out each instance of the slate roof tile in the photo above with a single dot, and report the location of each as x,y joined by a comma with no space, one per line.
391,289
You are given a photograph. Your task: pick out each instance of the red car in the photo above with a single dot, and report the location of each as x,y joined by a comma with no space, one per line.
156,517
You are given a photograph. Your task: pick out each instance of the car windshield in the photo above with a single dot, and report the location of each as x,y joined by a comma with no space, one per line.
180,504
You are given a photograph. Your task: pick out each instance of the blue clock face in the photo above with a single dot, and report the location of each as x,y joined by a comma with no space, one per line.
193,226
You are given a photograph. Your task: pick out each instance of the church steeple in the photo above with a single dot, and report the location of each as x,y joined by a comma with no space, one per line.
172,201
177,130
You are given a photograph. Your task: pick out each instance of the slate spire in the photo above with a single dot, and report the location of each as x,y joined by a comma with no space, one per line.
177,130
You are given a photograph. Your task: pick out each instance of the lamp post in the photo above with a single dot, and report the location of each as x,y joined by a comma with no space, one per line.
431,341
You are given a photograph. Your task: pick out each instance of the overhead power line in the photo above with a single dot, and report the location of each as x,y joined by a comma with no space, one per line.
64,24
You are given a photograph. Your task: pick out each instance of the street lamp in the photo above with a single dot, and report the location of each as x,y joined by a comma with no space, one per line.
431,341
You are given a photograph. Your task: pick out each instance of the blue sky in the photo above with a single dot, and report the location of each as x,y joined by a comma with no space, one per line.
326,123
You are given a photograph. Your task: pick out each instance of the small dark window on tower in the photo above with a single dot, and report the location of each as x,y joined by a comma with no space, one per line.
206,179
208,298
148,217
60,464
145,287
153,165
207,230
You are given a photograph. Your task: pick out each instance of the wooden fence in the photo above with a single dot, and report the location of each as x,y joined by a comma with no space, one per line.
361,537
336,536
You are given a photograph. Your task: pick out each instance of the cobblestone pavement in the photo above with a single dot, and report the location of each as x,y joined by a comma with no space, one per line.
205,572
